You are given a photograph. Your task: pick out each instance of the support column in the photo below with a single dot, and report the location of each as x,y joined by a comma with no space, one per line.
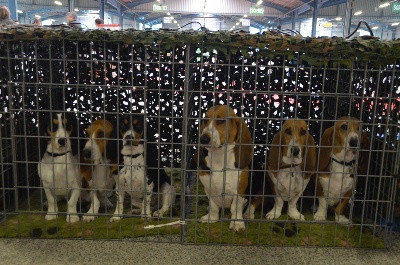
317,6
12,5
71,5
101,9
121,18
347,20
294,18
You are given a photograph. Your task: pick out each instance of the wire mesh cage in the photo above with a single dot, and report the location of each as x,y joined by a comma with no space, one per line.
171,88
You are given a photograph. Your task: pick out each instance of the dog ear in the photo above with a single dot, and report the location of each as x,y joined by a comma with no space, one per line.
244,144
75,133
275,153
311,156
364,154
325,149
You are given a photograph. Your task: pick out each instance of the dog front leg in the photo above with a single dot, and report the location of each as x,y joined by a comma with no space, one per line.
72,216
320,214
94,208
146,211
276,211
237,213
52,209
119,210
167,194
292,209
213,213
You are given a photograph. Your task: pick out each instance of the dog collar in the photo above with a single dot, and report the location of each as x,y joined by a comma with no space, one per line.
135,155
344,163
55,155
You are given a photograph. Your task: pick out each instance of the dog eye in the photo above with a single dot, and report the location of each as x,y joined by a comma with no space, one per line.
219,122
343,127
303,132
138,128
287,131
100,135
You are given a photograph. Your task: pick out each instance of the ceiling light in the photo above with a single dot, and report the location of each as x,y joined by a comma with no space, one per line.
19,11
375,27
338,18
396,24
245,15
175,21
76,10
172,17
37,16
237,23
58,3
384,5
358,13
168,13
259,2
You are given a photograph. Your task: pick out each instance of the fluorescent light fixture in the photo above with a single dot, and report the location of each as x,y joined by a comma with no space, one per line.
384,5
259,2
172,17
375,27
76,10
20,11
168,13
237,23
234,27
175,21
358,13
338,18
37,16
245,15
58,3
396,24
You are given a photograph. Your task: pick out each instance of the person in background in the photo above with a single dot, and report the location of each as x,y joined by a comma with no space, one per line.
37,22
5,16
98,21
72,22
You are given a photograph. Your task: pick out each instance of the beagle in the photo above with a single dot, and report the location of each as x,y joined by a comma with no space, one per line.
338,166
99,159
291,163
141,176
224,156
58,168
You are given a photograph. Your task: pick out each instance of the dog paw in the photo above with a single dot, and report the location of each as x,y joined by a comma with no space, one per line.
296,215
50,217
248,215
72,218
88,218
207,219
319,217
272,215
237,226
146,218
341,219
158,213
115,219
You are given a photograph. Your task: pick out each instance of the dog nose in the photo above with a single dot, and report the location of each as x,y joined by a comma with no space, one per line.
353,142
205,139
128,139
295,151
62,141
87,154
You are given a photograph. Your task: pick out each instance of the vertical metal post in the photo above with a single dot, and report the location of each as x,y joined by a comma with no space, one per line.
294,17
121,18
347,20
71,5
317,6
12,5
101,9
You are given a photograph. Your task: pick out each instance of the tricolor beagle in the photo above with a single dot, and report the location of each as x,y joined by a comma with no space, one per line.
291,163
59,169
338,166
99,159
224,156
141,176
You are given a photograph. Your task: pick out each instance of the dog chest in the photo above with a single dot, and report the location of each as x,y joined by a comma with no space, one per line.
337,184
224,179
289,182
132,177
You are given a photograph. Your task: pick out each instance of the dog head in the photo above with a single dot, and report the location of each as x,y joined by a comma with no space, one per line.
132,130
101,141
221,126
293,145
343,140
62,129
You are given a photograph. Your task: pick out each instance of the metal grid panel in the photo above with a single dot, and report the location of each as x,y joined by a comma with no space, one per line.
174,89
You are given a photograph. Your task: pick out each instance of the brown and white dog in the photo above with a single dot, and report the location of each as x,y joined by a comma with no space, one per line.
338,166
224,156
98,161
58,168
291,163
